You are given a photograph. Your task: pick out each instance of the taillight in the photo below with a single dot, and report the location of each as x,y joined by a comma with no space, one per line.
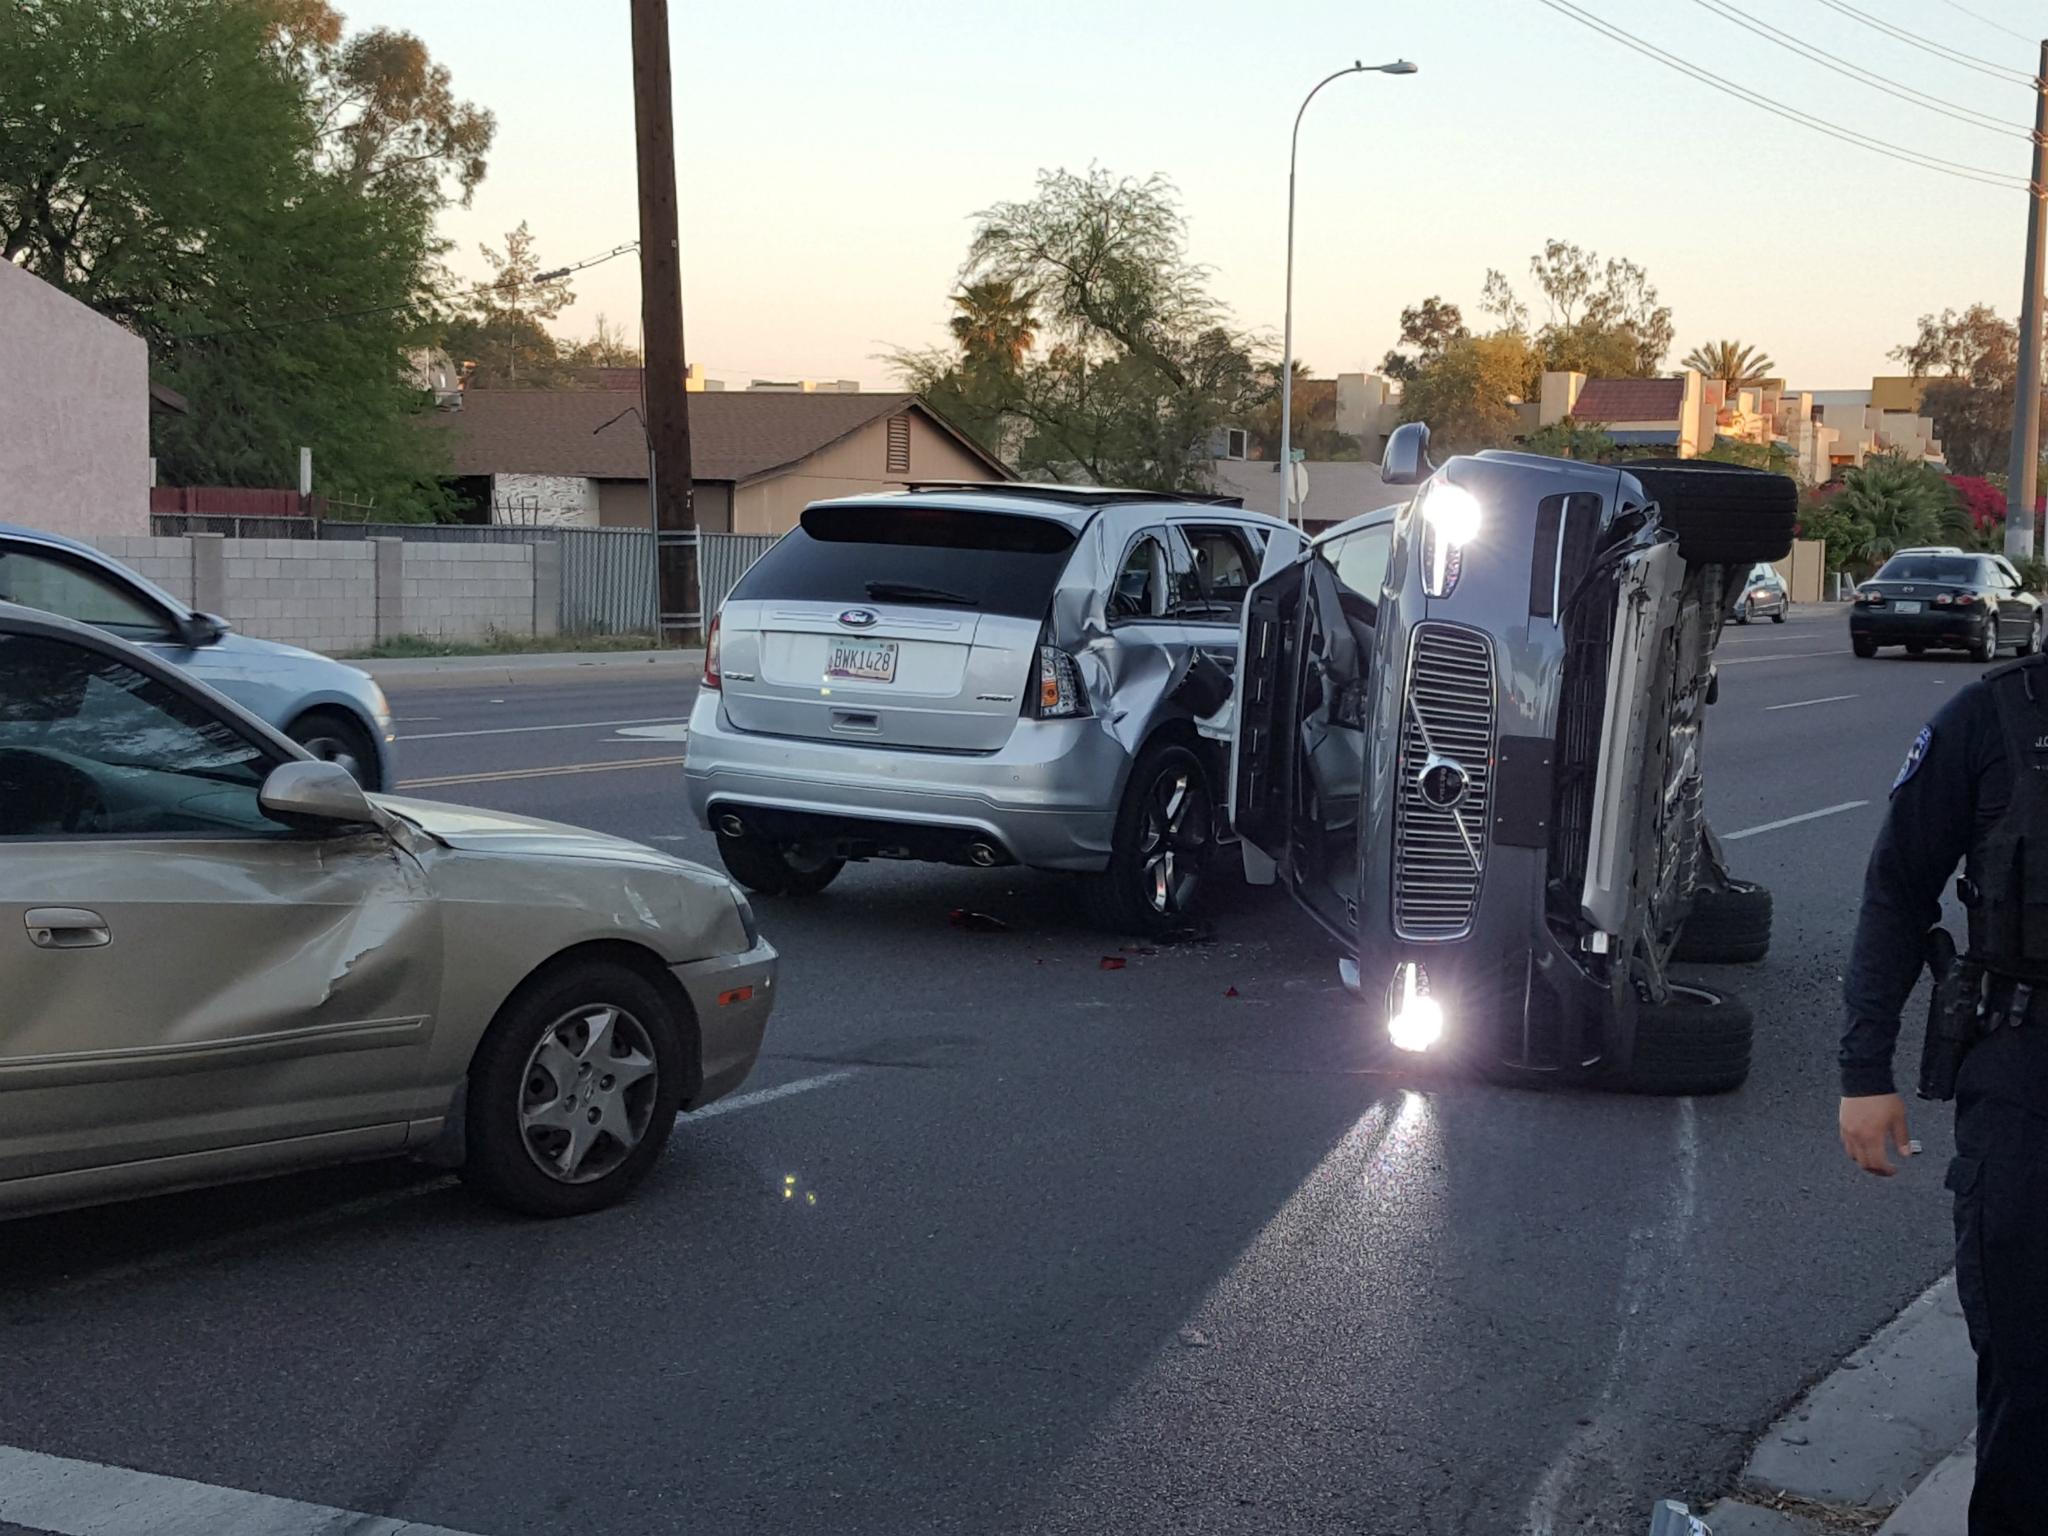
1060,695
711,679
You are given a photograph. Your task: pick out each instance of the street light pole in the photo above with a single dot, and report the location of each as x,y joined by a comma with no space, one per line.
1398,67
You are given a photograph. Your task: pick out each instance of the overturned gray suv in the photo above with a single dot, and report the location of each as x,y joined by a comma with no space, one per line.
1467,738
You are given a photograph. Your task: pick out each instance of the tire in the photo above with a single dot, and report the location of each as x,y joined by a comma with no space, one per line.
1695,1042
1985,646
1742,614
1916,649
1159,853
547,1041
2031,646
771,869
1778,617
1723,514
1727,927
334,737
1863,646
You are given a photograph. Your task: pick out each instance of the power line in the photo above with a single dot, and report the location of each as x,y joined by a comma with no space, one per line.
1890,87
1929,45
334,316
1996,26
1779,109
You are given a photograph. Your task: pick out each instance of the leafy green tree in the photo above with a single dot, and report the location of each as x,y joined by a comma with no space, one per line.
605,347
1569,439
1426,329
502,327
1736,366
253,194
1970,362
1604,319
1893,503
1467,396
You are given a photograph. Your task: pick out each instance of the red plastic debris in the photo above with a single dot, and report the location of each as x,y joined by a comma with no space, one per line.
1113,962
1230,991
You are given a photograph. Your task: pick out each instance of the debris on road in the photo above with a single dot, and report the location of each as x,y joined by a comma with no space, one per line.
1113,962
976,922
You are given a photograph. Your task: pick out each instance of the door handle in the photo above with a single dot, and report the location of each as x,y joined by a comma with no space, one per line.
66,928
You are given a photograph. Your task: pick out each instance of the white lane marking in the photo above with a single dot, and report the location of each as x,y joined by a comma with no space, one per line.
1655,1256
86,1498
1793,821
770,1095
1833,698
505,774
521,730
1744,661
677,732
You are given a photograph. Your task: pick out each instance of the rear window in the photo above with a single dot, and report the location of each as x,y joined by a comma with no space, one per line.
1952,568
945,556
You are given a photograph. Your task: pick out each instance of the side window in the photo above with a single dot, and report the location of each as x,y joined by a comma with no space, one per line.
1140,586
77,591
1184,594
1360,560
89,746
2011,577
1226,564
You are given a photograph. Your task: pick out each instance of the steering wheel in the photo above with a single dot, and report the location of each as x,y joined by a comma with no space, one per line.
42,794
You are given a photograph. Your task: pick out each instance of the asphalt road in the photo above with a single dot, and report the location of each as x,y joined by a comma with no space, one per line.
1031,1245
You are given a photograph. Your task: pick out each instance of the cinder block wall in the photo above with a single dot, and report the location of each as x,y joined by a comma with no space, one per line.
337,595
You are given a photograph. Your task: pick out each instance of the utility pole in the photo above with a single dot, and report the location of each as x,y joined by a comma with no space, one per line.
2026,410
661,313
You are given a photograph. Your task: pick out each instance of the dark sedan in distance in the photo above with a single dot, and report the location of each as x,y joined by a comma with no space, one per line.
1974,603
1762,595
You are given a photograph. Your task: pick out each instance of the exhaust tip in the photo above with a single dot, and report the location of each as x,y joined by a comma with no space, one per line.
731,826
982,855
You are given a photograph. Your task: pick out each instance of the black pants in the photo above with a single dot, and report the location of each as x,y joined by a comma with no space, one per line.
2000,1180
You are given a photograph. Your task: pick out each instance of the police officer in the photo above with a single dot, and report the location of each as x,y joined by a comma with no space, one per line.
1974,791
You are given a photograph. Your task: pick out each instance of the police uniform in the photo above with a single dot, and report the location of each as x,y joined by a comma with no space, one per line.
1974,791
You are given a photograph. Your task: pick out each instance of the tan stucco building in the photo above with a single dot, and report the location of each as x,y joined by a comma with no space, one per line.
578,457
74,414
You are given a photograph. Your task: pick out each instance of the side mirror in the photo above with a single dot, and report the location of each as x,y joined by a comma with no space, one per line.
198,629
1406,461
314,795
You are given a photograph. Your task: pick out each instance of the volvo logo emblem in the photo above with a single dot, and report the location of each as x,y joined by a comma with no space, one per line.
860,618
1443,782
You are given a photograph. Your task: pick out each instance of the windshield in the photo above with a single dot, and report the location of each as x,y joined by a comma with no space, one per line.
935,556
1949,568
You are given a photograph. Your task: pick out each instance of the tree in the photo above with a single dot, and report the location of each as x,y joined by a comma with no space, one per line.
186,168
1467,395
1426,329
1603,319
606,347
1970,362
1893,503
1737,366
501,327
1141,370
994,325
1567,439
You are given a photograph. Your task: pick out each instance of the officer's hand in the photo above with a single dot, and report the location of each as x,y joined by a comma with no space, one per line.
1871,1125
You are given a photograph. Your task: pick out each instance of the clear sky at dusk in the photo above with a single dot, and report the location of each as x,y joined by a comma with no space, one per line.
833,155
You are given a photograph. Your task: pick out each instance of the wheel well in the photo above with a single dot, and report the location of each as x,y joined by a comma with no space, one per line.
645,963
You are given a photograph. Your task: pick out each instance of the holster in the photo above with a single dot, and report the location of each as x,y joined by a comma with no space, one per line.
1954,1016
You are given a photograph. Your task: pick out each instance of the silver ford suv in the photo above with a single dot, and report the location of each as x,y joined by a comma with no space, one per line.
983,675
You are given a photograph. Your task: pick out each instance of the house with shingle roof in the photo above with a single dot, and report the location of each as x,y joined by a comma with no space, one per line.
578,457
1676,412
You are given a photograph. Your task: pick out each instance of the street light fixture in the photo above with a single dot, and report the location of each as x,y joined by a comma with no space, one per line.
1398,67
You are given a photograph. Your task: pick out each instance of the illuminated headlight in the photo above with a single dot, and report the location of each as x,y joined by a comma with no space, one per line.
1415,1020
1450,521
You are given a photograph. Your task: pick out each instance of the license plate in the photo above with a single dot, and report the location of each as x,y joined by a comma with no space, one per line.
1907,605
862,661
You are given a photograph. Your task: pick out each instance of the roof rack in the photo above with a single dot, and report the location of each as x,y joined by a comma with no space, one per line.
1071,495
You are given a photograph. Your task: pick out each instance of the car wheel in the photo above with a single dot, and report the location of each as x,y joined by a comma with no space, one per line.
334,737
1915,648
1729,926
1779,616
1985,646
776,869
573,1091
1863,646
1696,1041
1165,832
1742,614
2031,645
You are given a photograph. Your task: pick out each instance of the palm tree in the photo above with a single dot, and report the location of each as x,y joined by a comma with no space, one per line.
994,322
1897,503
1733,363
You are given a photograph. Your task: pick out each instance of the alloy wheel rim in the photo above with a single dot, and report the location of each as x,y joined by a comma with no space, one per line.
587,1095
1176,831
332,749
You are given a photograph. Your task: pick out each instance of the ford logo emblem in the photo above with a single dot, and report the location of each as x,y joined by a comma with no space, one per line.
1443,783
860,618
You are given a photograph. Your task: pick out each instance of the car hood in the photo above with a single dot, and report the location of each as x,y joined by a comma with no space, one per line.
238,645
474,830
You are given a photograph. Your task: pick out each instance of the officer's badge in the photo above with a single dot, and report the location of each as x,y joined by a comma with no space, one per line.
1915,757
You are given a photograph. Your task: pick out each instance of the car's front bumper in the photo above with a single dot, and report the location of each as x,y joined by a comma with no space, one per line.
731,996
1046,799
1932,626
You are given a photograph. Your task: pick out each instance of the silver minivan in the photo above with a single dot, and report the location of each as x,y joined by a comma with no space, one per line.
982,675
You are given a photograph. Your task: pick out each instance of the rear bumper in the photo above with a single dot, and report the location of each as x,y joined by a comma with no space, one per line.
1935,626
1046,799
731,996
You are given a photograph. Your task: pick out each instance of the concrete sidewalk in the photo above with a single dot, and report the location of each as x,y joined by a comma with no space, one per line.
1887,1436
538,668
